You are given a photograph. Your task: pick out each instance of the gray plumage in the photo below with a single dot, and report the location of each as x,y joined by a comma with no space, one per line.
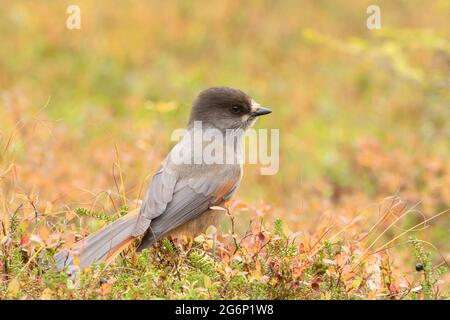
97,246
192,196
180,195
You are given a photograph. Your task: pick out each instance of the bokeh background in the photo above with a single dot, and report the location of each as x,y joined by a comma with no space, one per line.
364,115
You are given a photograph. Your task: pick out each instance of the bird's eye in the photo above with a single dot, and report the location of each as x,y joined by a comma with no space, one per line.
236,109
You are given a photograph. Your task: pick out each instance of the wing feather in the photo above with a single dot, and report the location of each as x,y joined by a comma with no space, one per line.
158,195
171,201
191,198
185,205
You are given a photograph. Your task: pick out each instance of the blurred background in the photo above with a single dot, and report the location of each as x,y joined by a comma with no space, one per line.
363,114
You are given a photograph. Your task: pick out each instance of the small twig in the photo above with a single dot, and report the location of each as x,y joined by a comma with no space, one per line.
366,252
389,227
124,198
236,245
383,217
13,217
260,249
246,235
317,242
36,212
3,228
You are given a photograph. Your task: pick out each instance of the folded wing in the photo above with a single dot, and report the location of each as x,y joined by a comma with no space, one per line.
190,197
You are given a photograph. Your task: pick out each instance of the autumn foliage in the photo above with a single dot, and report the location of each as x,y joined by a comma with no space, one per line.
358,210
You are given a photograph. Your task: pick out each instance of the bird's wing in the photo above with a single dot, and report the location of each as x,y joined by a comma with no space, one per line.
158,195
171,202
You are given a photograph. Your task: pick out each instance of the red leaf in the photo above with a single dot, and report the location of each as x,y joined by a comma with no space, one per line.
24,241
315,286
301,248
261,236
393,288
316,283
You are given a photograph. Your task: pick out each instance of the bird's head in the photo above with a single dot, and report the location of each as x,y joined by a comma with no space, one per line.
226,108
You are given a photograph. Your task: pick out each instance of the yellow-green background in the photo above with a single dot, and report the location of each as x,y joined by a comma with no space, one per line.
363,114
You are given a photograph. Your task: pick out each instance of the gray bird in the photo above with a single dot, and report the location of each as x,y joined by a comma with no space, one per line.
181,197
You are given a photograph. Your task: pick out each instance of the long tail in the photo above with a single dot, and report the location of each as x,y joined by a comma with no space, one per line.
103,245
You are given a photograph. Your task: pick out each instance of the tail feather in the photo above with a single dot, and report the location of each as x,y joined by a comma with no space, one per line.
114,253
103,245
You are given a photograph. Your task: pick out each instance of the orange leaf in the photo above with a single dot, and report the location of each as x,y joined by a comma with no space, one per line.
44,233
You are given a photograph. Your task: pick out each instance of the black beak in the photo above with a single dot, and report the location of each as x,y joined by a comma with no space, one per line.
260,111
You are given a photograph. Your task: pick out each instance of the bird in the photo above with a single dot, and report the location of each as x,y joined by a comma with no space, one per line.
183,197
